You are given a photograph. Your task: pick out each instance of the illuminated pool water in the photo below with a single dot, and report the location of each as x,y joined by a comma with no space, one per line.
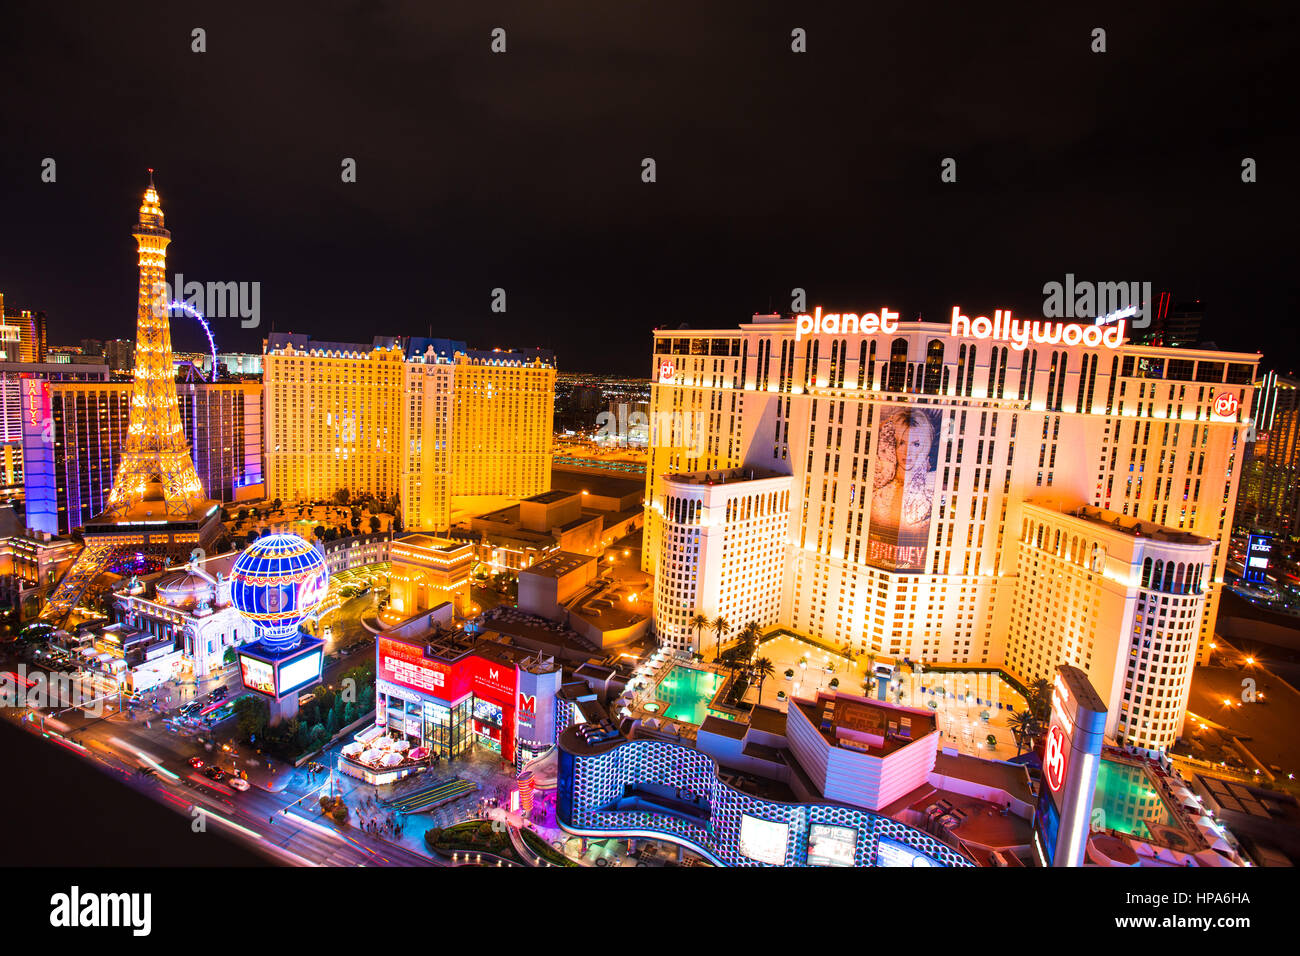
1129,799
686,693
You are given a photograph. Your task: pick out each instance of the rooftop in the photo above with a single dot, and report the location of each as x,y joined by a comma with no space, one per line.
1115,521
725,476
558,564
865,722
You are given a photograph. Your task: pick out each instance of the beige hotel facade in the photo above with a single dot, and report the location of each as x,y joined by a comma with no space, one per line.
424,419
962,493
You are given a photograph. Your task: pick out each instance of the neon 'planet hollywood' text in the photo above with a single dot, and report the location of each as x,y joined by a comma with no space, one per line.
1019,333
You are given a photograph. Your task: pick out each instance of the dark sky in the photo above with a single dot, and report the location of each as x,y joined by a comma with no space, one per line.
522,170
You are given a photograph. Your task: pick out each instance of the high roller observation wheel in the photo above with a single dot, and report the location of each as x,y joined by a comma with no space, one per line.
195,314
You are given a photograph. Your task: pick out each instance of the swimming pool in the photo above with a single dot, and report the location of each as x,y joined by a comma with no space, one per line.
1129,799
686,692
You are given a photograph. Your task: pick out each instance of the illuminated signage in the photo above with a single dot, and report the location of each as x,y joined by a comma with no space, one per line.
1021,333
304,670
257,675
844,323
892,853
763,840
1226,405
406,665
831,846
1259,549
1054,758
666,371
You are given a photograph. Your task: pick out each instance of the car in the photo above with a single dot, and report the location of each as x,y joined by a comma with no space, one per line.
214,773
220,693
238,783
196,762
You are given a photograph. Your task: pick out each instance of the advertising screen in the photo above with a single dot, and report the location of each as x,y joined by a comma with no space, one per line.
892,853
406,665
257,675
831,846
907,455
295,674
763,840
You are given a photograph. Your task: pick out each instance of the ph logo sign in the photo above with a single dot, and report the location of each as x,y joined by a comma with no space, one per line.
667,370
1226,405
1054,759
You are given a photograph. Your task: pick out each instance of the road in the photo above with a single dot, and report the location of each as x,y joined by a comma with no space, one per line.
285,826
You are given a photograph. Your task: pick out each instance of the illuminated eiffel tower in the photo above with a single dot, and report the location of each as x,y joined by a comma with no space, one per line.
157,506
156,465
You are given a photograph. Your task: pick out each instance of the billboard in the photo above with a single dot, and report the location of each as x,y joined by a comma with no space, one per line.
892,853
831,846
763,840
296,673
406,665
902,489
257,675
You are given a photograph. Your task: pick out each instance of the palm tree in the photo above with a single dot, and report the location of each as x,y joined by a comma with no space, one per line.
749,635
1024,728
720,626
699,622
1039,699
763,669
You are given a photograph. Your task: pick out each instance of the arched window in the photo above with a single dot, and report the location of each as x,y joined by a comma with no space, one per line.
1146,573
933,367
897,365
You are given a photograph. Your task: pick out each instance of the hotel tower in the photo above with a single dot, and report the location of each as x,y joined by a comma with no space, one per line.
981,493
427,420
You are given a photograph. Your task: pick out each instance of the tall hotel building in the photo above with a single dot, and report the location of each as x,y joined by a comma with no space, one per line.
956,500
73,434
425,419
1270,488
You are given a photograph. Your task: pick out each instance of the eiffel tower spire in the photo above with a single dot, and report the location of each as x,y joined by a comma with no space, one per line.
156,464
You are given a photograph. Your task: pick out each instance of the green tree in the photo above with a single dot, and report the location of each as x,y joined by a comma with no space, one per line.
699,622
763,669
251,715
374,524
342,496
720,627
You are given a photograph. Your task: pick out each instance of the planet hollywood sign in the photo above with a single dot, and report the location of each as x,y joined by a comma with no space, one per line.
1018,333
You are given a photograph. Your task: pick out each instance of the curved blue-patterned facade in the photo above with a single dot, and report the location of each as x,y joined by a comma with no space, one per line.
276,583
602,793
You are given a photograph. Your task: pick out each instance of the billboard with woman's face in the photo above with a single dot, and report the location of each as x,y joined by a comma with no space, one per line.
907,455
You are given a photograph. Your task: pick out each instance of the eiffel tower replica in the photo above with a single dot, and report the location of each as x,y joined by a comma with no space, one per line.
157,506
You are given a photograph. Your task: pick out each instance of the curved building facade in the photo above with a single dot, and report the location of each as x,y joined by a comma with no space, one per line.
660,790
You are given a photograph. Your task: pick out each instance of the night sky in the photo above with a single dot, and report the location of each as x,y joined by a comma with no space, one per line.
522,170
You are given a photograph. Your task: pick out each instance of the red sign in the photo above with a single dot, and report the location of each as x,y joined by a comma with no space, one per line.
1226,405
1054,758
407,666
666,371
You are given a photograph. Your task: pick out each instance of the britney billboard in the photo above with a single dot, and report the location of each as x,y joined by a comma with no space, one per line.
902,496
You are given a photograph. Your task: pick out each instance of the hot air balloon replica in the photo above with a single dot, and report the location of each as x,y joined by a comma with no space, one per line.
276,583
